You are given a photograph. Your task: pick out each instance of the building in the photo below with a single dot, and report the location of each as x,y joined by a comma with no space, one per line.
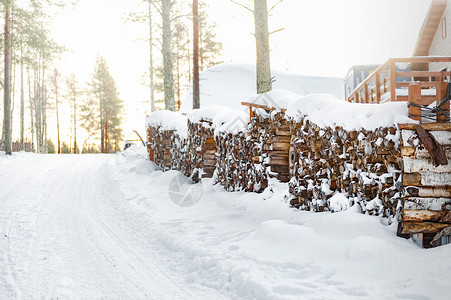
434,38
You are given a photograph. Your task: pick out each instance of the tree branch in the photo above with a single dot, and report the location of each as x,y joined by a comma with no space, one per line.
156,7
242,5
278,2
275,31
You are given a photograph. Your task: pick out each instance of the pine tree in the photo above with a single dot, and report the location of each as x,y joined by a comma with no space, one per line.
102,110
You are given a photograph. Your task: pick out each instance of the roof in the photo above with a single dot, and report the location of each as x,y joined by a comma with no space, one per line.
429,27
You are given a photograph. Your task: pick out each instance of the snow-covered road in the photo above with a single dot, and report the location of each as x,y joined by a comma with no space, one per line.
103,226
66,234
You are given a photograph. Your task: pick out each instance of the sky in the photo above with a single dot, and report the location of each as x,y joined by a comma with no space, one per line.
321,37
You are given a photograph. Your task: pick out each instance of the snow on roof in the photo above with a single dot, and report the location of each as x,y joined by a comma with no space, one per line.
206,113
232,121
277,99
229,84
169,120
325,110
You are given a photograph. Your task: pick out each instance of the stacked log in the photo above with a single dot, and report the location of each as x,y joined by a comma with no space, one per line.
166,136
364,165
271,138
200,150
159,141
427,200
238,165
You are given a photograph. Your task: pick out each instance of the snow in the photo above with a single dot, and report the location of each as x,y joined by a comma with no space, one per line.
232,121
206,113
277,99
103,226
229,84
169,120
327,111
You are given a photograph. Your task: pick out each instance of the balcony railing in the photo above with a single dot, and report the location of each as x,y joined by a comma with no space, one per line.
418,87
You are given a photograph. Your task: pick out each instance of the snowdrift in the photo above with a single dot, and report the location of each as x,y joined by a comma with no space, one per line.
229,84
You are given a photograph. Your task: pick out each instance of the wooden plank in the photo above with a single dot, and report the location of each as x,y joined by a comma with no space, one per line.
417,227
441,93
438,191
426,179
392,80
435,204
428,126
426,216
423,84
421,74
423,59
378,87
418,165
424,100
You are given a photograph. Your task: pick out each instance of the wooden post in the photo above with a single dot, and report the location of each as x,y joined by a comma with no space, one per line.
367,97
393,81
415,98
357,98
441,93
378,87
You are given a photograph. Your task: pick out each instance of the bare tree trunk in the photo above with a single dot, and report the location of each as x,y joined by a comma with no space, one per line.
75,124
196,92
152,84
167,56
22,103
31,109
264,82
55,83
7,82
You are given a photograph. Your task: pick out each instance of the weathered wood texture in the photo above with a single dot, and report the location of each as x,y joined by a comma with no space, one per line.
364,165
426,152
201,149
160,143
238,165
270,133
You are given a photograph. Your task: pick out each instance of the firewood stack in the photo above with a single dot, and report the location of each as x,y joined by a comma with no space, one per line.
364,165
426,154
200,152
271,136
160,143
236,166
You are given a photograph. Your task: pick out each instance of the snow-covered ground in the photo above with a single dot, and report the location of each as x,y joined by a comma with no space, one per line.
229,84
104,226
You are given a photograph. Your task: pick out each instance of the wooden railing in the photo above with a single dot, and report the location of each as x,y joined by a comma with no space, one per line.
382,86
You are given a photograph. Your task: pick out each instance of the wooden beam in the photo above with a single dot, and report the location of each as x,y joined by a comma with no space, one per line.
428,126
418,227
426,216
414,98
378,87
441,93
392,66
421,74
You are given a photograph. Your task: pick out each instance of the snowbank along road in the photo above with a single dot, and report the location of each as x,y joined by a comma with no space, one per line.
103,226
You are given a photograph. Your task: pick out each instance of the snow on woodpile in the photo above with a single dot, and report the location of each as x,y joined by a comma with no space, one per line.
349,149
201,146
167,136
327,111
229,84
237,167
168,120
270,132
276,99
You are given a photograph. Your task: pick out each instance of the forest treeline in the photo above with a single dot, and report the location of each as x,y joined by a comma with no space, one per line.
32,82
